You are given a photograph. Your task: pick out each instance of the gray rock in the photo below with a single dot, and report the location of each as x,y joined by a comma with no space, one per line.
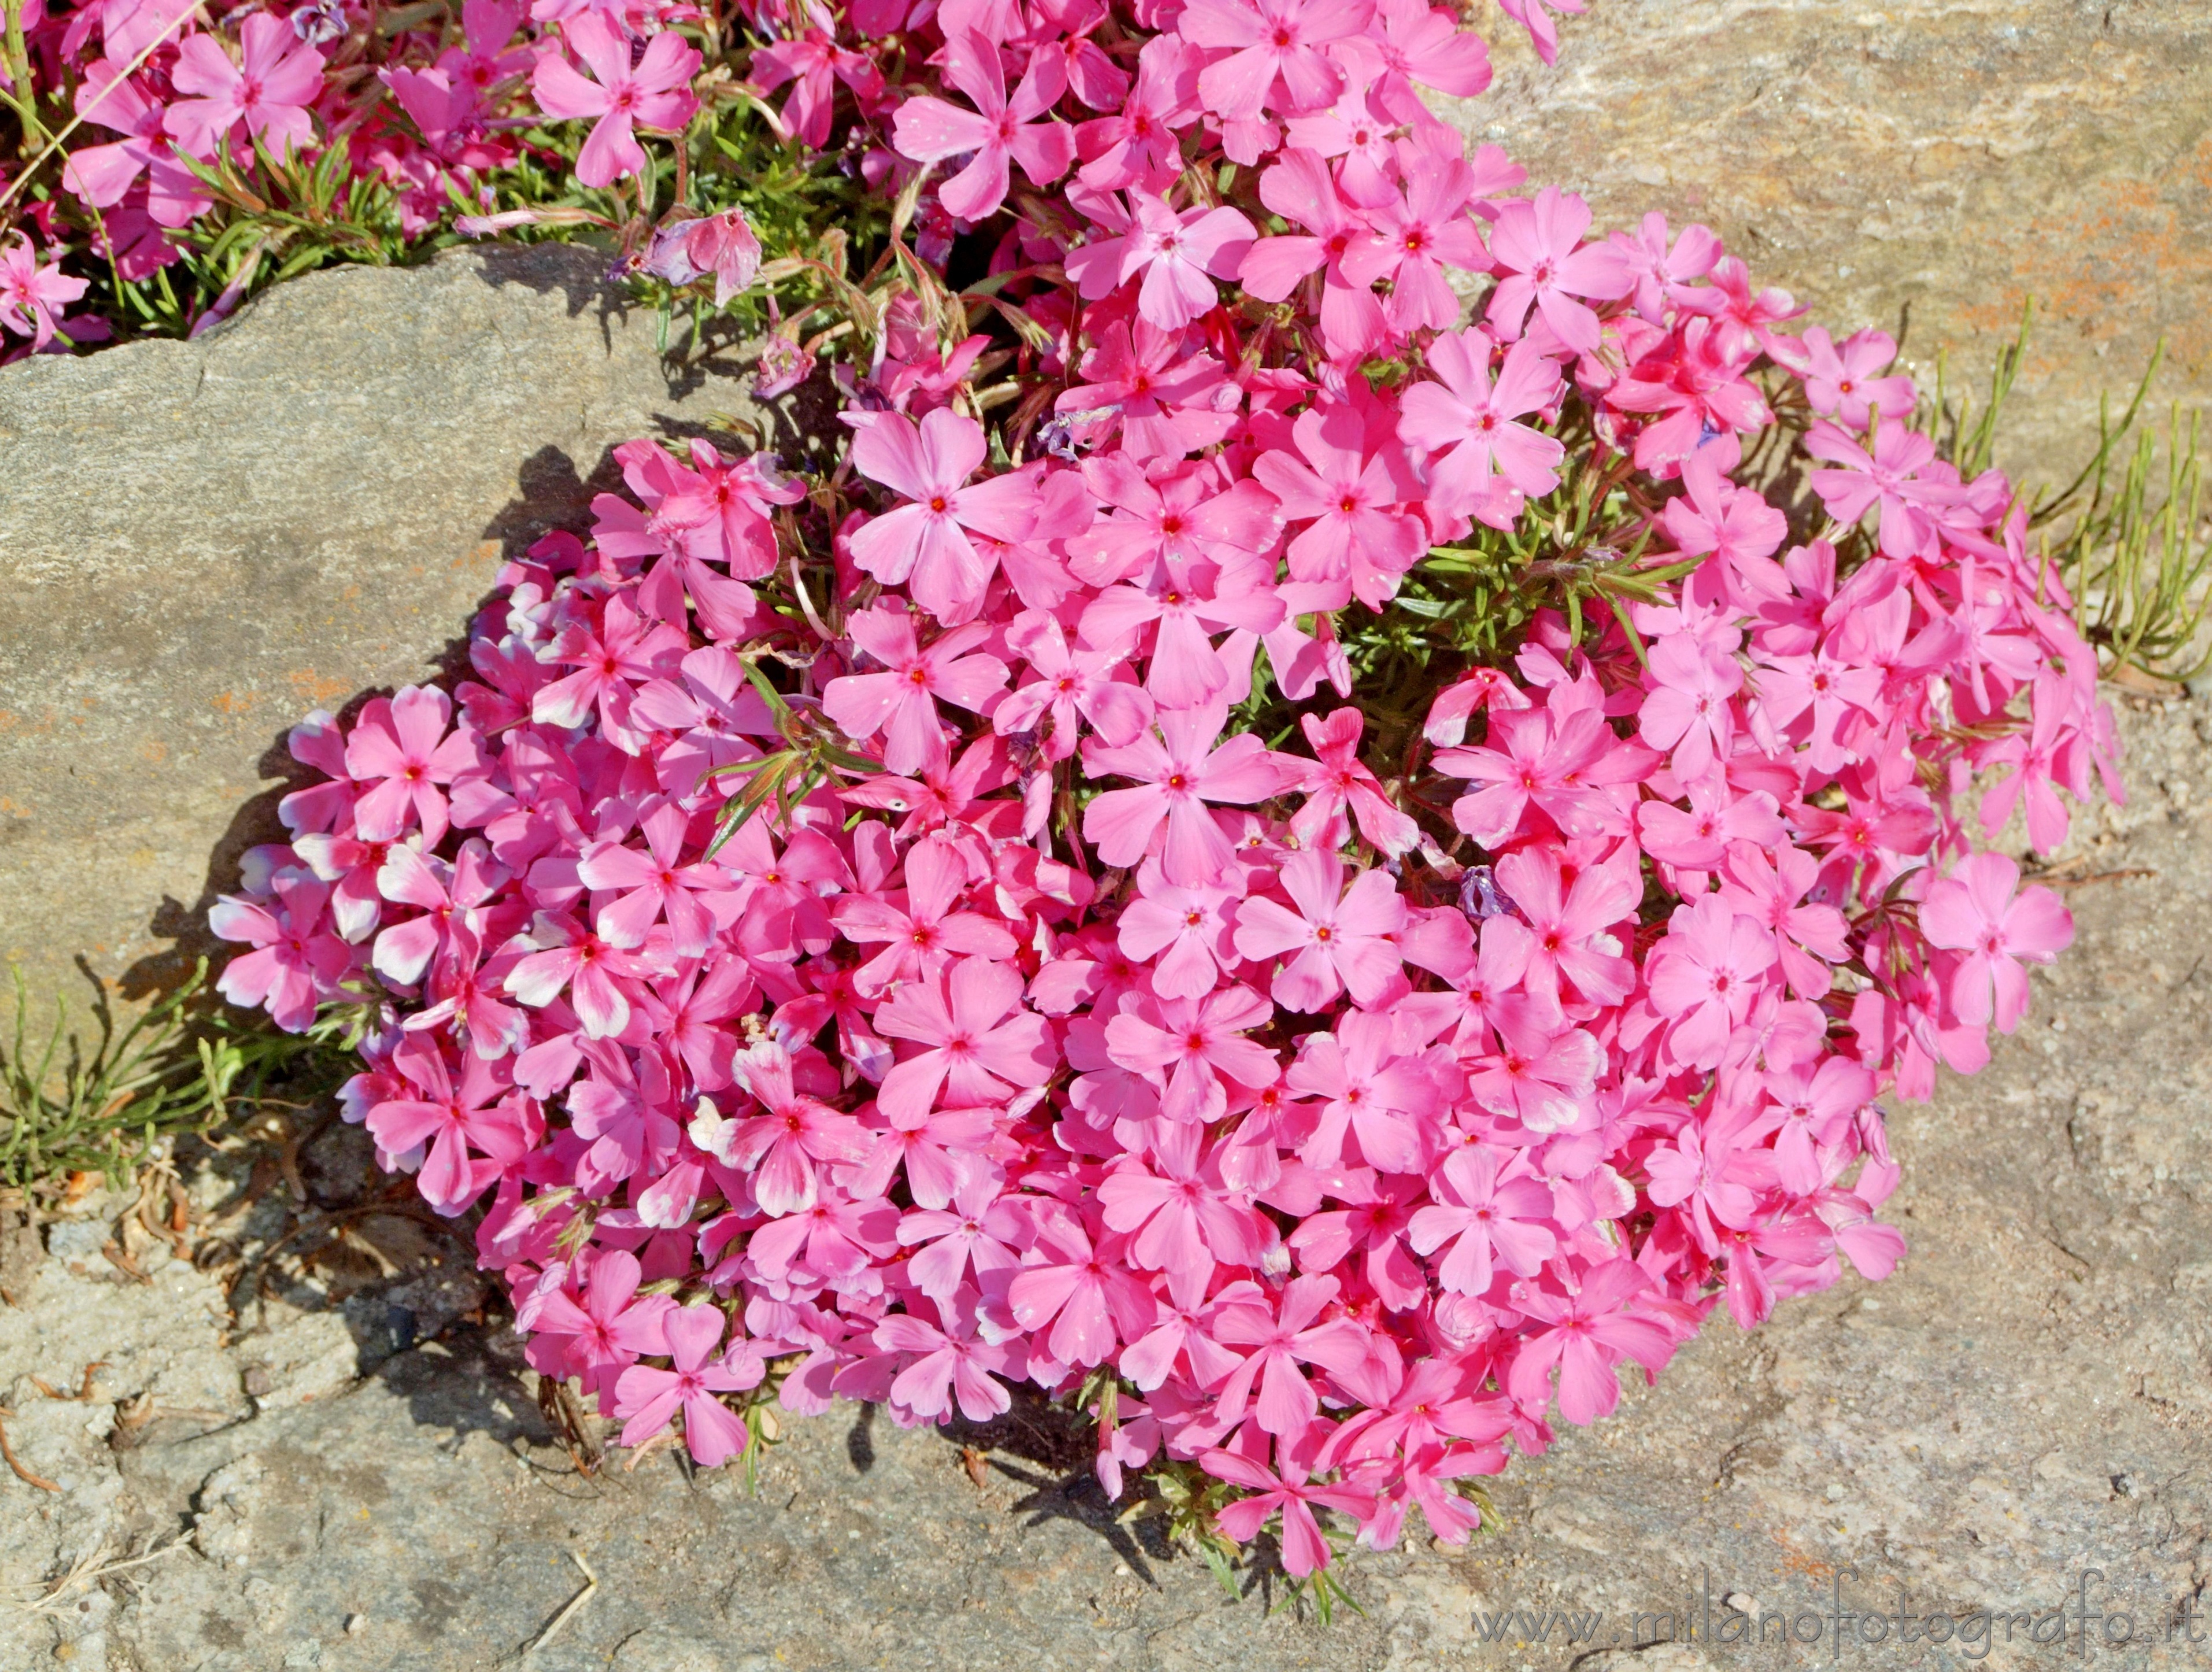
1924,165
2025,1401
205,540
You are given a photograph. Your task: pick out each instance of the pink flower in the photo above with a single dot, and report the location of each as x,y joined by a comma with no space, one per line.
1070,687
605,1328
1304,1549
781,1146
926,541
1538,246
1179,1214
561,954
1272,45
997,130
1887,479
1180,256
1286,1404
1589,1332
649,1397
1689,710
473,1128
1339,782
962,1366
1414,240
723,244
269,91
1474,423
295,961
813,64
919,921
1973,912
900,702
1179,772
976,1043
1705,977
1349,485
1843,382
655,95
1488,1208
1087,1295
31,295
1337,940
401,748
1191,1043
1183,933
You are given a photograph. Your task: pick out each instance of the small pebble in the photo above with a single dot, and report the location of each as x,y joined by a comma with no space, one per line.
356,1623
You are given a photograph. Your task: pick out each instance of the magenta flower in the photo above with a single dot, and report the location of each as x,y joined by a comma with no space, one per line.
474,1129
1292,1492
926,541
1301,189
1589,1333
918,922
269,91
723,244
954,1364
781,1146
1338,783
401,748
1538,248
1706,975
1179,255
1338,940
605,1328
1179,772
656,94
1690,711
1350,487
1887,480
1179,1213
31,295
103,174
1415,238
1183,933
900,702
1070,688
977,1043
1086,1294
1488,1208
562,955
1844,381
1277,51
1280,1342
1189,1043
1973,912
1474,423
295,962
651,1397
814,64
998,131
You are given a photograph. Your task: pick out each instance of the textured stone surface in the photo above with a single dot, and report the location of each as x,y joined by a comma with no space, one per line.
204,540
1934,161
2029,1397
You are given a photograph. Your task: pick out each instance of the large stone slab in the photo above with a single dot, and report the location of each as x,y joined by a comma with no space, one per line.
201,541
1925,165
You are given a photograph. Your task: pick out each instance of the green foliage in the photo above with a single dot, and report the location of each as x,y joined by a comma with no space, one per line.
75,1106
2129,538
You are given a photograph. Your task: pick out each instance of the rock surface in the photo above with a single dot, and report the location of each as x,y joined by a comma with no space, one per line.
2027,1400
205,540
1924,165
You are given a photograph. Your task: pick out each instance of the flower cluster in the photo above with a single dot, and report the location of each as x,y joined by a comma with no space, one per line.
1315,866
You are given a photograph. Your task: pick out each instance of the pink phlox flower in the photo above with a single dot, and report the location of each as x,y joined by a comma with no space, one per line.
1357,130
960,1363
1588,1333
1736,524
1466,428
1416,45
1179,772
1844,381
1184,606
2039,760
655,95
713,713
1571,944
925,544
296,962
269,91
103,174
1304,1548
447,895
1341,792
1161,399
1974,914
1840,701
1540,1073
1186,1045
689,1008
1488,1208
1000,130
1690,710
725,504
1180,1214
473,1128
813,64
655,883
1413,239
1813,1112
1087,1294
1185,934
1281,1341
1480,689
918,925
1136,143
1180,254
976,1043
1562,765
1886,480
1300,188
974,1228
1711,1175
1697,839
649,1397
900,702
611,657
1663,273
483,61
1705,977
1333,940
562,955
602,1328
625,1112
1701,390
1183,519
1069,687
1350,485
1746,317
1379,1099
1769,882
401,751
1274,52
781,1146
1537,247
